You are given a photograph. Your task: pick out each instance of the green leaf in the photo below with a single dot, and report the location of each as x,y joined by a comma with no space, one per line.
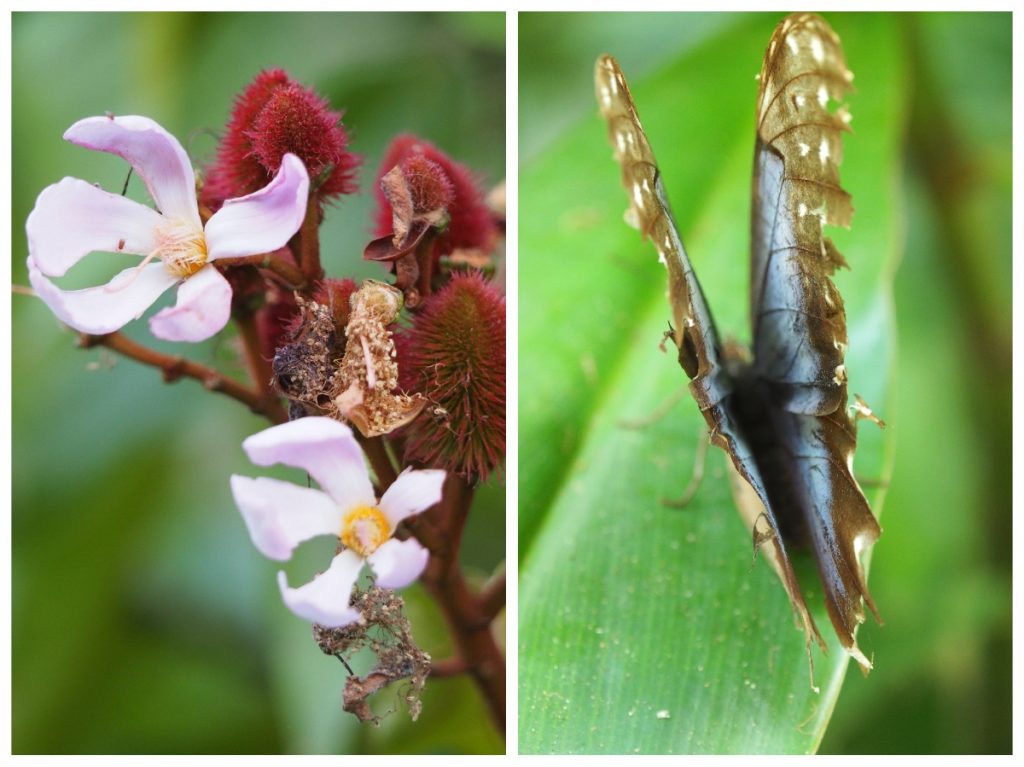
645,629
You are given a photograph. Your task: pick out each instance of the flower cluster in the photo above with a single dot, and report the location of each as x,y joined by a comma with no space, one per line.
406,376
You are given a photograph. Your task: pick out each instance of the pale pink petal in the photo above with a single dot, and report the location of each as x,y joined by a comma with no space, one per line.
281,515
411,493
325,599
323,447
398,563
203,308
108,307
72,219
154,154
262,221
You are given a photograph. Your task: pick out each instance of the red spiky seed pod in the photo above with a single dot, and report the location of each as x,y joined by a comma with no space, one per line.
272,116
454,354
236,168
471,225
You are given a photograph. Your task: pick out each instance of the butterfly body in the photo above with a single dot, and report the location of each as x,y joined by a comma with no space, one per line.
780,410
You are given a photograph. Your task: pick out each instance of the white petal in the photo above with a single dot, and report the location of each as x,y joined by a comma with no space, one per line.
154,154
411,493
202,310
72,219
398,563
108,307
281,515
262,221
325,599
323,447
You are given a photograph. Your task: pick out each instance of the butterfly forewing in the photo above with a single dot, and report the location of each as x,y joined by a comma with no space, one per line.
693,326
799,325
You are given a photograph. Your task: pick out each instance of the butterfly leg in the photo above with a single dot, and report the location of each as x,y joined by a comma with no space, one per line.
859,409
699,460
872,482
659,412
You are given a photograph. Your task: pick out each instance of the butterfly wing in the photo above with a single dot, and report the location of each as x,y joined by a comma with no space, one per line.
799,322
693,327
700,352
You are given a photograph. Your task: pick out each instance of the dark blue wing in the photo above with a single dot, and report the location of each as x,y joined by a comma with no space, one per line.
799,323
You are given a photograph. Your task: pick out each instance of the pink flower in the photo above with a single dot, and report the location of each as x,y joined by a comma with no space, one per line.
73,218
281,515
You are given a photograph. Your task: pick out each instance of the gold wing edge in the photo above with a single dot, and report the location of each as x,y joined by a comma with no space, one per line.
804,71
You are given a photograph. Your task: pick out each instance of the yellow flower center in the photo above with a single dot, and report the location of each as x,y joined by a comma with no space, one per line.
364,529
182,248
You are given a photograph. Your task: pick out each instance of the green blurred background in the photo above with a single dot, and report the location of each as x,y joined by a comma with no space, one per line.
143,618
941,573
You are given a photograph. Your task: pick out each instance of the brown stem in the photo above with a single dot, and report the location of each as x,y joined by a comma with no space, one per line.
447,667
274,262
425,261
260,370
427,532
377,455
466,615
306,244
492,596
174,368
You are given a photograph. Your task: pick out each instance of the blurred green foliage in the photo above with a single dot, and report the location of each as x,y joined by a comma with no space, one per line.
941,571
143,618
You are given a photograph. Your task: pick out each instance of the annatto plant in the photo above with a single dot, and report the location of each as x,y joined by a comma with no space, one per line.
389,394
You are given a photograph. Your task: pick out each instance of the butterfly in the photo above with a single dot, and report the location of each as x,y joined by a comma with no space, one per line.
779,409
